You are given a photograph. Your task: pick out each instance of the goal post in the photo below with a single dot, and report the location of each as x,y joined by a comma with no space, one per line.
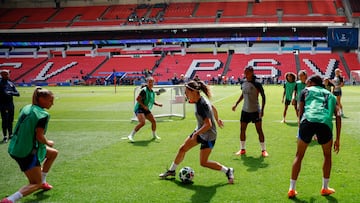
172,97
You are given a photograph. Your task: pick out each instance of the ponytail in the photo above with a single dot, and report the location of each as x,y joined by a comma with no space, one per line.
199,85
40,92
206,89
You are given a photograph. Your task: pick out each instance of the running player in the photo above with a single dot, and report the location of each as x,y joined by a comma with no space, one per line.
251,111
289,87
300,85
338,82
144,103
316,109
205,133
29,146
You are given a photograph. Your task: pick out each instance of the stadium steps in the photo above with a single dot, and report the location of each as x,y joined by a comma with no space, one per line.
227,64
250,9
310,7
195,9
30,70
346,66
105,12
53,15
99,66
157,64
297,62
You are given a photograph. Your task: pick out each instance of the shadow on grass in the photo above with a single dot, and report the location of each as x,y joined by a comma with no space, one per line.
143,143
253,163
328,198
292,124
39,196
202,193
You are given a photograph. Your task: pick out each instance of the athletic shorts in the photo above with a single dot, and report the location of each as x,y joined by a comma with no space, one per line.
337,93
247,117
287,102
141,110
28,162
203,143
308,129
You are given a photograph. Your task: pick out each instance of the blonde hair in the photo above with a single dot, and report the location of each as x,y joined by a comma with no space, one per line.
40,92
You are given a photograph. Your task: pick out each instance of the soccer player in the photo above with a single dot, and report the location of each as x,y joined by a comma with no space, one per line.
289,87
7,91
205,133
300,85
29,147
144,103
338,82
251,111
328,84
316,109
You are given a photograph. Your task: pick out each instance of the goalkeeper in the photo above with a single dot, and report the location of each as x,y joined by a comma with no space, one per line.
144,103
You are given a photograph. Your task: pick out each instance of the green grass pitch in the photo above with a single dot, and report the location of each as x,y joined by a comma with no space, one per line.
96,165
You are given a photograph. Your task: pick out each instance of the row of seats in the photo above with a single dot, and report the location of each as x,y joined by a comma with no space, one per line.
203,12
27,69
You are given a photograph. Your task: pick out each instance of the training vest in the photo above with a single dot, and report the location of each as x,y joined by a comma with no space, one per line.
24,140
148,100
320,105
289,90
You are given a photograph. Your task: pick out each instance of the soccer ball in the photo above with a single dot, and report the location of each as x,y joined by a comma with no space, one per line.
186,174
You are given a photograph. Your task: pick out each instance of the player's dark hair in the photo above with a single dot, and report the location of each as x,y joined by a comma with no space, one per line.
291,74
316,79
199,85
40,92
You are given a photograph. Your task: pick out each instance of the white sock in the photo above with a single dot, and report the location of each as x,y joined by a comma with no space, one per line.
224,169
173,167
263,147
292,184
43,177
325,183
154,133
14,197
132,133
242,144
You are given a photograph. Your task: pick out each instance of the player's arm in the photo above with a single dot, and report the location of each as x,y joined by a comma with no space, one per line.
283,96
158,104
205,127
216,116
301,105
140,98
40,133
238,101
337,113
263,99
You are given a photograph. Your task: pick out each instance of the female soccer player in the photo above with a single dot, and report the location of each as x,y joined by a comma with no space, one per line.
205,133
289,87
316,109
29,146
144,103
338,82
251,111
300,85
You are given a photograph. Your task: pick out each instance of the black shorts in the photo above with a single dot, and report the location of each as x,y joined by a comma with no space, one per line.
287,102
247,117
204,144
28,162
337,93
308,129
141,110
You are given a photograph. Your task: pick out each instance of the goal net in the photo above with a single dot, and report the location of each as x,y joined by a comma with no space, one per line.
172,97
